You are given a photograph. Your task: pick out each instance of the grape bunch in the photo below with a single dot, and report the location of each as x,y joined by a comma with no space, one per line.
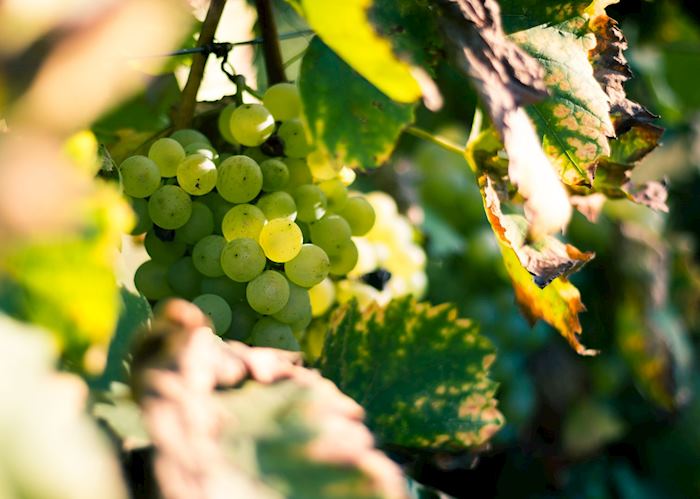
249,233
390,263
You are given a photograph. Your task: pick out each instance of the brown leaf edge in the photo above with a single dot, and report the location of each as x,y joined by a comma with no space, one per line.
180,364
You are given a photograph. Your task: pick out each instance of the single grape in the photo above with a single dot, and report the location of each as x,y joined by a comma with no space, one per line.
196,174
293,134
278,204
347,175
218,206
242,322
321,167
243,220
140,176
281,240
345,259
268,332
298,307
167,154
217,310
359,214
205,149
299,173
330,233
321,296
242,259
170,207
206,255
336,193
268,293
143,221
184,279
251,124
188,136
200,224
256,154
311,202
309,267
151,280
231,291
275,175
166,252
224,124
239,179
283,101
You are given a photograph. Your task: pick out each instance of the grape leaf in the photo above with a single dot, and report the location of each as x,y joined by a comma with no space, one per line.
574,122
420,372
519,15
507,78
345,28
532,268
348,117
43,429
226,417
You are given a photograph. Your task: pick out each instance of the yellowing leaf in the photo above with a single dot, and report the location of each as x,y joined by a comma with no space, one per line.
345,27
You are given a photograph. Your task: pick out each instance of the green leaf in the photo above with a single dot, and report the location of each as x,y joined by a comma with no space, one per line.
122,416
348,117
346,28
51,449
574,121
518,15
420,372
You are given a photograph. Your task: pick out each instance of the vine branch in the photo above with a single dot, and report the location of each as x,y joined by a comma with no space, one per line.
440,141
185,111
271,47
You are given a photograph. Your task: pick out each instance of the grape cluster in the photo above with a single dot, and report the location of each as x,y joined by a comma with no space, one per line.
390,263
247,235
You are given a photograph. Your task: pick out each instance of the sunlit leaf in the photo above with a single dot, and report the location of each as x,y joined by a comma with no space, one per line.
349,119
420,372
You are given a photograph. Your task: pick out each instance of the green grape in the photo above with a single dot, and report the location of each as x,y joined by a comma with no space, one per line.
256,154
322,297
311,202
275,175
231,291
170,207
151,280
243,220
336,193
166,252
283,101
187,136
251,124
330,233
224,124
293,134
243,259
217,310
243,320
206,255
309,267
140,176
320,166
300,325
200,224
345,259
202,148
268,332
143,221
184,279
299,173
268,293
218,206
298,307
239,180
359,214
281,240
167,154
278,205
196,174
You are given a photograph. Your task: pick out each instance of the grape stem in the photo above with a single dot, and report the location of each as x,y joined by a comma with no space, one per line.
435,139
271,45
185,112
